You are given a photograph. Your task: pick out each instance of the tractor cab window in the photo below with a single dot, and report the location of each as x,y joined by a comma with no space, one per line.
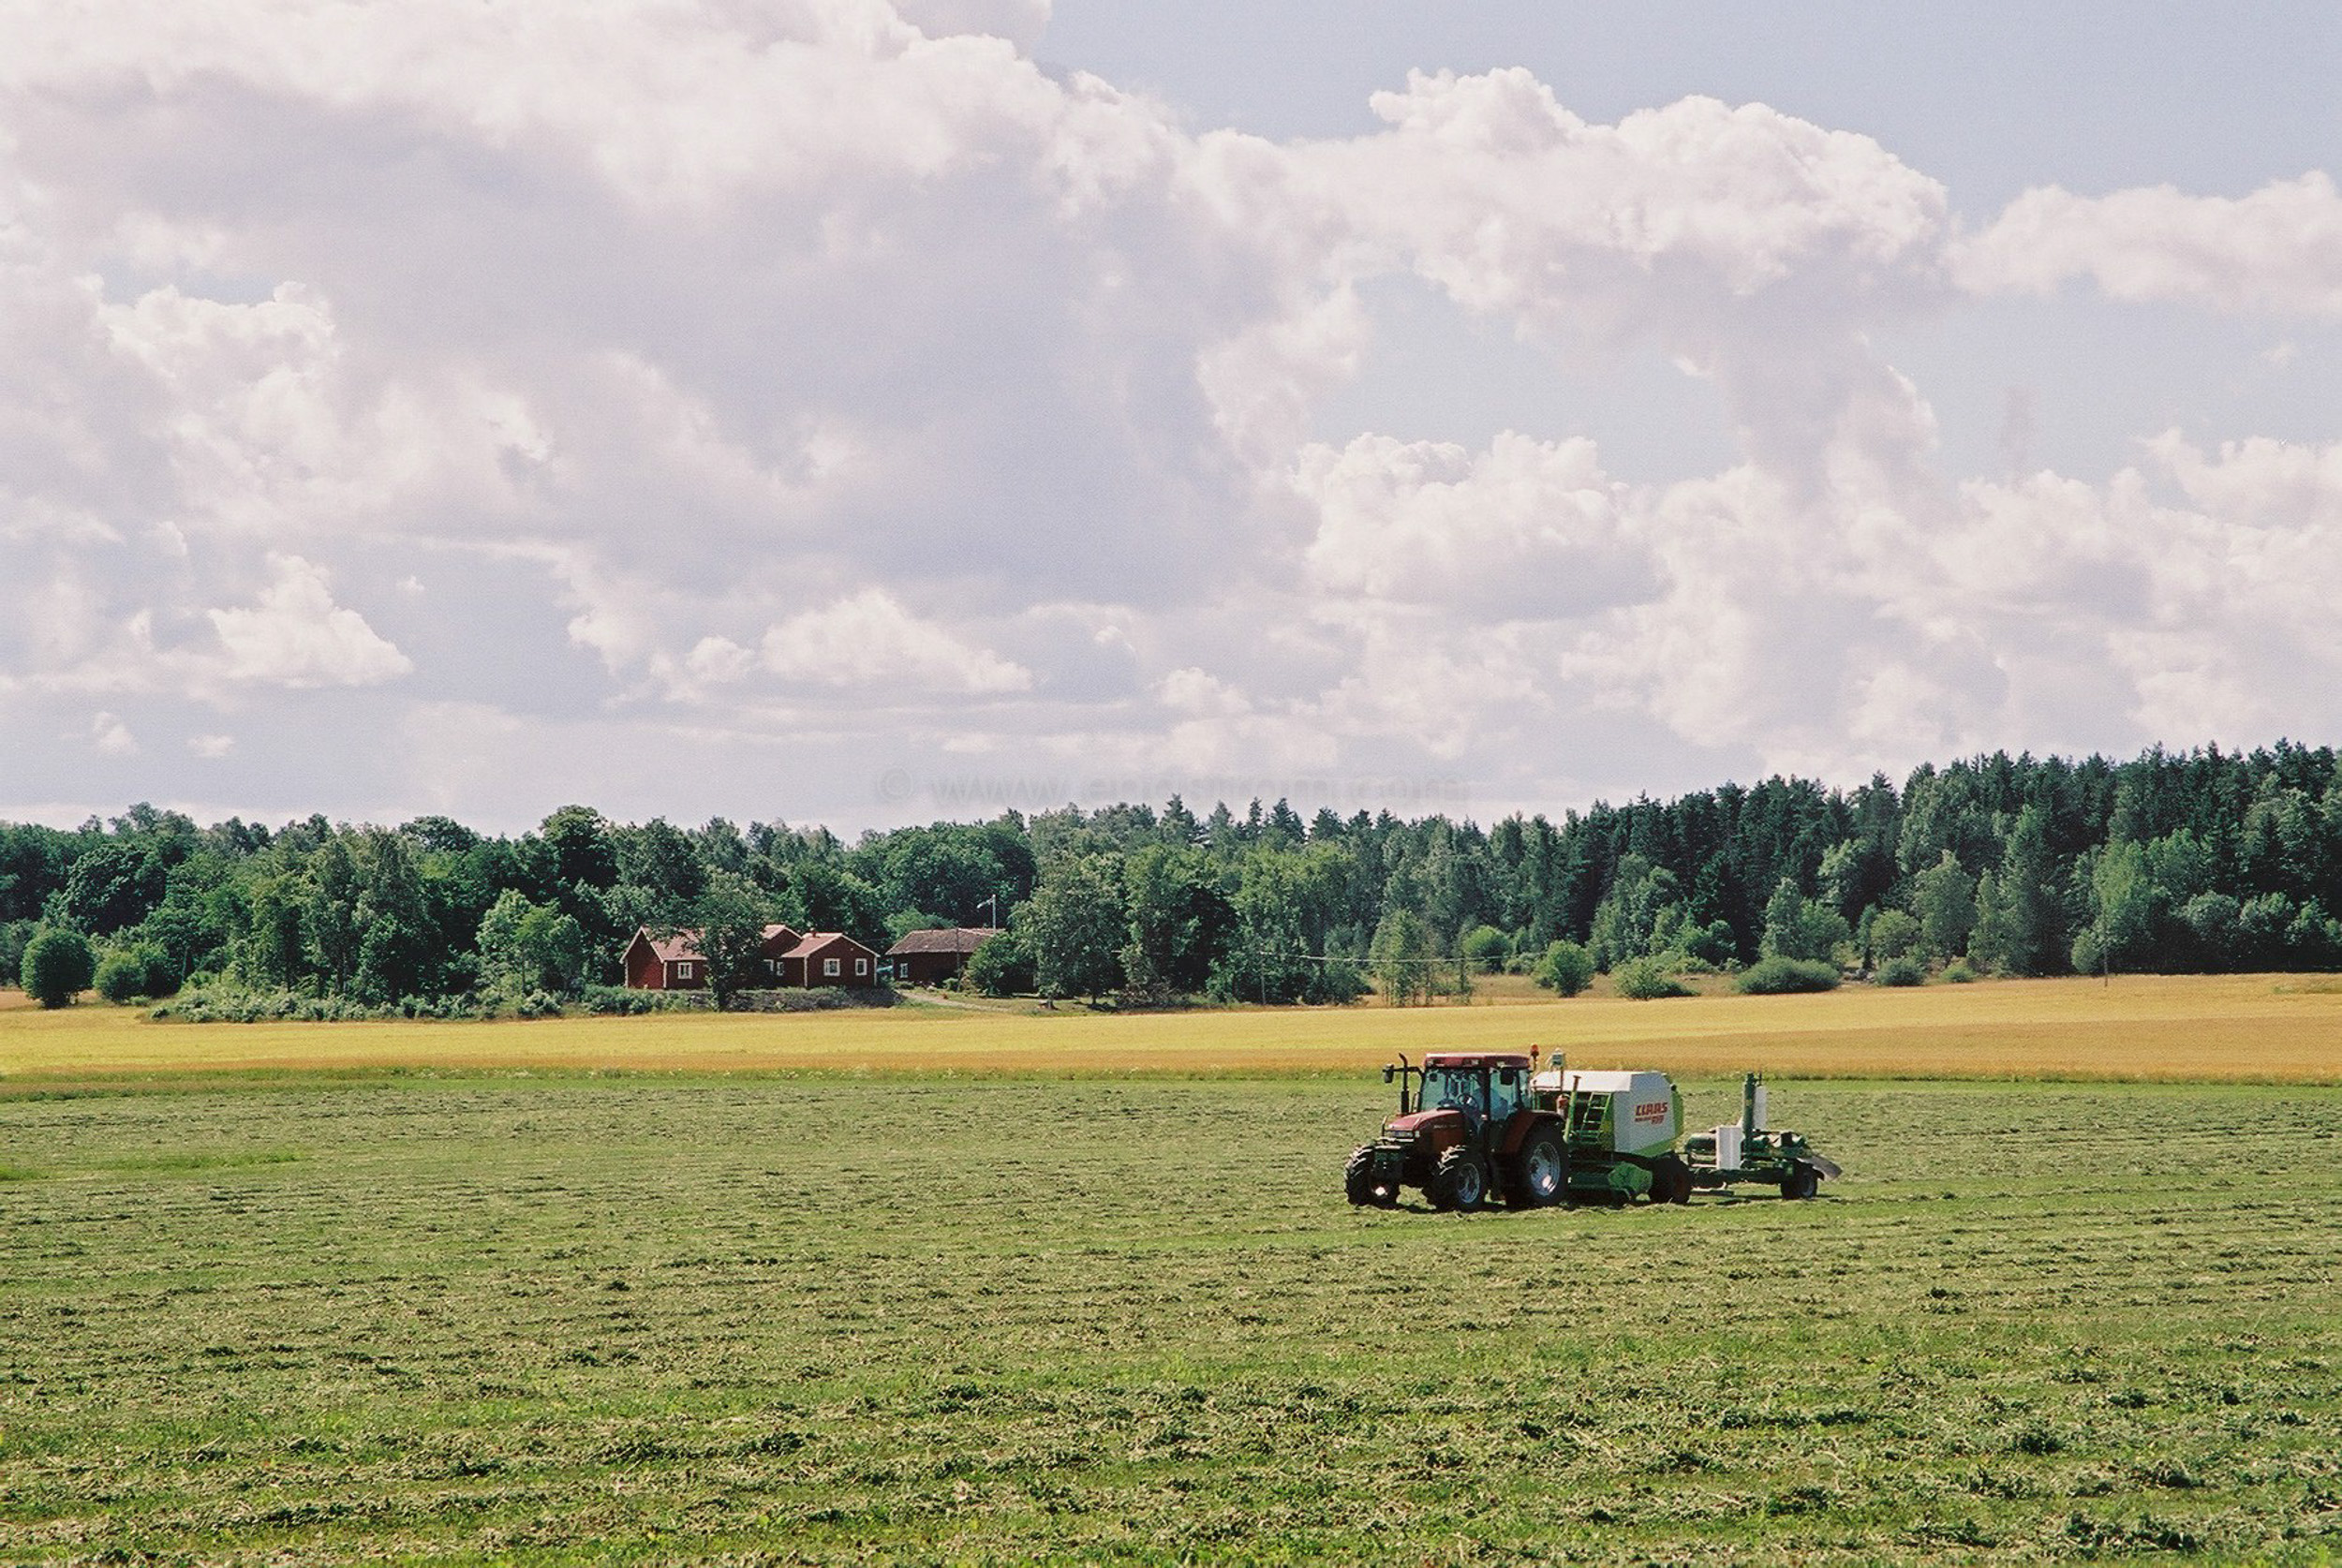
1507,1089
1455,1088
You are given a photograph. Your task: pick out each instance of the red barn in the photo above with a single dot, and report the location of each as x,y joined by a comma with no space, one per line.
829,958
932,958
675,962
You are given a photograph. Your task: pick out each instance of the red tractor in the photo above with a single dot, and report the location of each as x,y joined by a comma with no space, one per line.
1472,1127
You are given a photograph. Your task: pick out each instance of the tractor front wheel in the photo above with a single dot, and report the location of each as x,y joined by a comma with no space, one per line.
1800,1182
1458,1182
1670,1180
1540,1173
1358,1183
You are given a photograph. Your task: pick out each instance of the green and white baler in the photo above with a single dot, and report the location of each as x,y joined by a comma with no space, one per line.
1621,1132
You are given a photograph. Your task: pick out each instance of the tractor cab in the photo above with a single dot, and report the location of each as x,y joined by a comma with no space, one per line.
1484,1089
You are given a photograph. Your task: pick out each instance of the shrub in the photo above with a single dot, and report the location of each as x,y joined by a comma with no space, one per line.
143,970
1566,967
1958,971
1891,933
121,977
616,1000
1002,966
1484,948
58,966
1904,970
1775,977
1646,979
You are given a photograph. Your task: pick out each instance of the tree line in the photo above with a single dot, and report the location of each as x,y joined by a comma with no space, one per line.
2188,861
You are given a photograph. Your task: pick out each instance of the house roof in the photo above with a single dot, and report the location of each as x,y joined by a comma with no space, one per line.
686,943
816,940
961,938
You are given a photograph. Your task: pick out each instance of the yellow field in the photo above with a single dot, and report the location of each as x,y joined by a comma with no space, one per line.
2239,1029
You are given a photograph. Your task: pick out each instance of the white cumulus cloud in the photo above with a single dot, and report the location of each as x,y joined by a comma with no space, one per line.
2278,249
871,641
297,636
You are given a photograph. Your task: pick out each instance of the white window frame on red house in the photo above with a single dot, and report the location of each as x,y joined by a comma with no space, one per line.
829,966
682,971
862,966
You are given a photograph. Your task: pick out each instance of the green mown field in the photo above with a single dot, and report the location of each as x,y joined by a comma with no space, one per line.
762,1320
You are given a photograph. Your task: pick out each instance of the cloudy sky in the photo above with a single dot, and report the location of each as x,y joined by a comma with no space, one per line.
837,410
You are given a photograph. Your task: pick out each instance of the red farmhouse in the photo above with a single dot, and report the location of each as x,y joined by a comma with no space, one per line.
828,958
675,962
931,958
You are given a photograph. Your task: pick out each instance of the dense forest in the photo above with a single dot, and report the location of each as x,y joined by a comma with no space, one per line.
2012,866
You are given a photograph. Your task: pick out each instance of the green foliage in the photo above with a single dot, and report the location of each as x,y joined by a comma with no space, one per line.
14,934
729,914
1177,921
1903,969
901,922
1779,974
1801,928
1566,967
1644,908
1401,960
1944,898
1486,948
1646,979
615,1000
1075,926
527,947
126,973
1891,933
120,977
57,966
1002,966
2168,862
1958,971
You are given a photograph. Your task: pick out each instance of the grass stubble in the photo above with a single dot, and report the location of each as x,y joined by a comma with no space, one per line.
570,1319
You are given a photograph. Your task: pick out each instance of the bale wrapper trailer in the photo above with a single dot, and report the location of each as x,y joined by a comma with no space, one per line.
1747,1150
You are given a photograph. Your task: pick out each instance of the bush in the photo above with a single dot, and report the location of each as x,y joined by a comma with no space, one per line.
264,1007
58,966
1646,979
1893,934
1960,972
1775,977
1002,966
606,1000
143,970
121,977
1904,970
1566,967
1484,947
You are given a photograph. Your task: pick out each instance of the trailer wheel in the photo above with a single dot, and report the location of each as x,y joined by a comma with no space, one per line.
1358,1183
1458,1182
1800,1182
1539,1172
1670,1180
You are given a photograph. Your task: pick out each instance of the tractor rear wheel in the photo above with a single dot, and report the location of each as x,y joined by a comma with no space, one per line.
1358,1183
1670,1180
1800,1182
1458,1181
1539,1174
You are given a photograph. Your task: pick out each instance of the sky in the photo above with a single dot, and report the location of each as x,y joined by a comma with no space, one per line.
867,413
